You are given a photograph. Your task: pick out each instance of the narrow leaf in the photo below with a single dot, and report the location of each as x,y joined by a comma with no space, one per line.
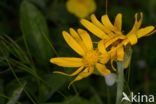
16,95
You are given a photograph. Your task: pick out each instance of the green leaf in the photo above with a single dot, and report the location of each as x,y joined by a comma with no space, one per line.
76,100
15,56
16,95
9,46
35,32
53,82
40,3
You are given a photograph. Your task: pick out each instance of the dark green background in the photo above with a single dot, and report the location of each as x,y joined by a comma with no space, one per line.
30,34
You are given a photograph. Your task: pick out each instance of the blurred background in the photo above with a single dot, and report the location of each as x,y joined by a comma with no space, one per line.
31,33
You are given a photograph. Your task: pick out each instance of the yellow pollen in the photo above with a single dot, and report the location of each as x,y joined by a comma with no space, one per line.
91,57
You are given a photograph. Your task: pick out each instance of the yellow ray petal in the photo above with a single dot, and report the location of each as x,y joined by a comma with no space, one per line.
67,62
86,39
73,74
120,54
73,44
96,22
93,29
104,58
74,34
101,47
88,71
125,42
106,21
118,21
102,69
114,39
113,53
113,49
132,38
144,31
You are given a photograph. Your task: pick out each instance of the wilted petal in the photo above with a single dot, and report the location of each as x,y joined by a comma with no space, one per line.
137,23
88,71
73,74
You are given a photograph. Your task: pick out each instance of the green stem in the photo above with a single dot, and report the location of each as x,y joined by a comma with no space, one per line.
120,81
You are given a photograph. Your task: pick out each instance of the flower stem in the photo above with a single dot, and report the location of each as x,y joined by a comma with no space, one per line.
120,81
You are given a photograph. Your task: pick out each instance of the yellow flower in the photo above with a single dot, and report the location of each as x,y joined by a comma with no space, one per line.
81,8
81,43
112,35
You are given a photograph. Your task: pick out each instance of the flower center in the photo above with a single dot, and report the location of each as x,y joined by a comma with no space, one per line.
91,57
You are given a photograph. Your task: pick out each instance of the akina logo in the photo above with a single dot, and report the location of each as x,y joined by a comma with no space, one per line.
137,97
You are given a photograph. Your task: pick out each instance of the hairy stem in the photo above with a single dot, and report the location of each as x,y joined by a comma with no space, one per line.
120,81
